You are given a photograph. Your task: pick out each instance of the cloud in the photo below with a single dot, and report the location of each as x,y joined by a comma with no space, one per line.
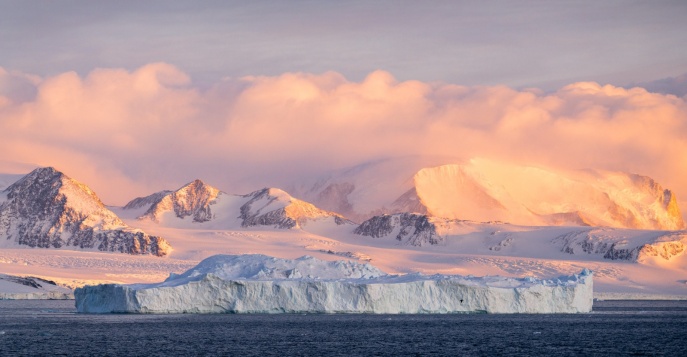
670,85
16,87
129,133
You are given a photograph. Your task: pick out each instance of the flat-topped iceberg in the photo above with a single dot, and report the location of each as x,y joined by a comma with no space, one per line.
262,284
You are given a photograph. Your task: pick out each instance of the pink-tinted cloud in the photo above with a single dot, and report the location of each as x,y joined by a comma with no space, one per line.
129,133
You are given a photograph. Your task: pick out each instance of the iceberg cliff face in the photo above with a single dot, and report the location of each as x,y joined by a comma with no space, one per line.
261,284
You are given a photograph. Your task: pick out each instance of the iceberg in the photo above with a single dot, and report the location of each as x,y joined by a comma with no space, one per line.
263,284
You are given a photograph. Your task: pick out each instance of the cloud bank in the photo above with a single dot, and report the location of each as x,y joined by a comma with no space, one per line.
129,133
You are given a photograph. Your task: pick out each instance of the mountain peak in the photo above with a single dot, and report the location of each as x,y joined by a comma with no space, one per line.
49,182
275,207
196,184
191,200
272,194
38,176
47,209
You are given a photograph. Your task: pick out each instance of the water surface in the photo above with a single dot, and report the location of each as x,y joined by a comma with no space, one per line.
29,328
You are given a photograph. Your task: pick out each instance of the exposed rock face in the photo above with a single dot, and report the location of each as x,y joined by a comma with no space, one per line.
274,207
46,209
192,200
672,209
669,246
594,241
409,228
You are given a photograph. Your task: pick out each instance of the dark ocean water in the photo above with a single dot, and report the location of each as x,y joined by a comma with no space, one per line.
53,328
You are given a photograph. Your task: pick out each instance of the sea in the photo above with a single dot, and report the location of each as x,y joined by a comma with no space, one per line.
614,328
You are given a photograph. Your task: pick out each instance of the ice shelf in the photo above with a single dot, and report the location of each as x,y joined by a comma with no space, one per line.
262,284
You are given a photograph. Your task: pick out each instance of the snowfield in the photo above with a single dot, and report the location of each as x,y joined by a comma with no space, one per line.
262,284
481,249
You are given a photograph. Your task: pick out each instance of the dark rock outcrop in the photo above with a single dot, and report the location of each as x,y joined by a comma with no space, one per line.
409,228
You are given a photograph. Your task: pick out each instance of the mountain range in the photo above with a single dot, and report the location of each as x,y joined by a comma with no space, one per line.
198,204
472,215
47,209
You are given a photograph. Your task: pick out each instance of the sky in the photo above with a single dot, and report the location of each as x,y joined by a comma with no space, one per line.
134,97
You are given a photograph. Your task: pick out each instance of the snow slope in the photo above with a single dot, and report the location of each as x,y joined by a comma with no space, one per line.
17,287
262,284
599,243
475,248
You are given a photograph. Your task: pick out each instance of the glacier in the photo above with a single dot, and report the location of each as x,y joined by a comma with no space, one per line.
263,284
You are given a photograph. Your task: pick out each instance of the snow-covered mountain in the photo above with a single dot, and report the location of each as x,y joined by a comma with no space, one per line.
47,209
600,243
368,189
484,190
198,204
274,207
193,200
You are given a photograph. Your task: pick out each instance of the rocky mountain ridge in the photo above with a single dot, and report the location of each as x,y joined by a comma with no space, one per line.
203,203
193,200
407,228
47,209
